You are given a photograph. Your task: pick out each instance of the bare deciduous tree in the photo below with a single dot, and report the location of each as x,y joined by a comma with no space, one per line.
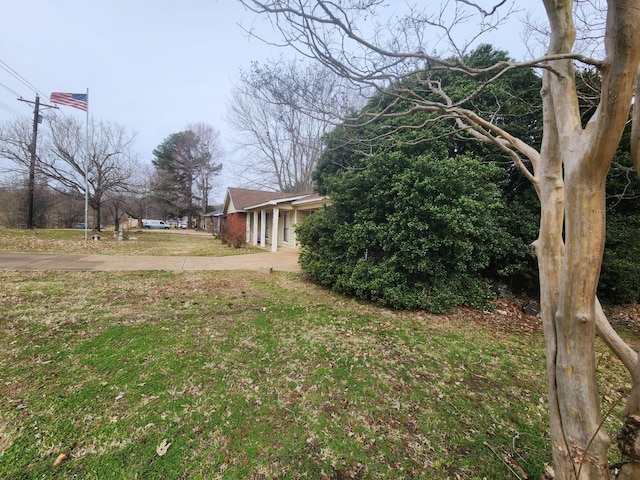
568,171
62,159
139,202
281,111
210,163
15,143
110,165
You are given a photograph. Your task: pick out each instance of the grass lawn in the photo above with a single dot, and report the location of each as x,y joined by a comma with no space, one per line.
243,375
140,242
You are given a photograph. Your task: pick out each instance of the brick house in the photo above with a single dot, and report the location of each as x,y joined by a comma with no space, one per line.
267,219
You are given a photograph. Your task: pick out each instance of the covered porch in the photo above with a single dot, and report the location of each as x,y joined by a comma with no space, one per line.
271,225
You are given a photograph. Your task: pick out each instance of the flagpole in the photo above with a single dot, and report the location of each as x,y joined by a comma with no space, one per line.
86,180
81,101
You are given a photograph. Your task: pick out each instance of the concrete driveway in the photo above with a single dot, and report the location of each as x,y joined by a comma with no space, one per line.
283,261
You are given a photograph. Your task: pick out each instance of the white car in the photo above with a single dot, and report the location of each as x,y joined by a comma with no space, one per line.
155,224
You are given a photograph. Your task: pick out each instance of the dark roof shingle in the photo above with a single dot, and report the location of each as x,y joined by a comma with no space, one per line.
243,197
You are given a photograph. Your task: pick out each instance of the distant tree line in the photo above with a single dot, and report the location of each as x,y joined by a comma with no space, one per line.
118,184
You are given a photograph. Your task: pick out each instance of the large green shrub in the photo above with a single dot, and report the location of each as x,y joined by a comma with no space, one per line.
620,275
412,232
515,103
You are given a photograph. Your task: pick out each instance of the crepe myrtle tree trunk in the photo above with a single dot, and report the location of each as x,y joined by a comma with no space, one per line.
569,272
584,443
571,177
549,250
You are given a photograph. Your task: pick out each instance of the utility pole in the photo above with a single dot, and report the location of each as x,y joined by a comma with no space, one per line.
32,162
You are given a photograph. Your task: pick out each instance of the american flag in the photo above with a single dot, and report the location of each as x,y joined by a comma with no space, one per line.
77,100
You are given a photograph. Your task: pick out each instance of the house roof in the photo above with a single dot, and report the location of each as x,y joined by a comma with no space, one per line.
245,199
288,199
240,198
312,197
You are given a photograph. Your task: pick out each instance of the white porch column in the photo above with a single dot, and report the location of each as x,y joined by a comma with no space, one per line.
255,228
294,237
247,228
274,230
294,224
263,228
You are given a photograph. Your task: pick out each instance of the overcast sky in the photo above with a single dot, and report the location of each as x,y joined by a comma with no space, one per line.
152,66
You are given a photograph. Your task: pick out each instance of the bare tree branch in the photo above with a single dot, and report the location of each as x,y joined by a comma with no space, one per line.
282,110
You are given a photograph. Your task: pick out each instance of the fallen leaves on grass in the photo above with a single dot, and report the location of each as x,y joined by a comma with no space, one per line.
198,429
161,449
510,462
507,317
61,458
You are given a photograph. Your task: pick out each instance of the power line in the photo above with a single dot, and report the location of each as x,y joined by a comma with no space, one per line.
10,89
20,78
13,111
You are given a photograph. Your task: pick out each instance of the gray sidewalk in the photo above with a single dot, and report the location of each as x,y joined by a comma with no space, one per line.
283,261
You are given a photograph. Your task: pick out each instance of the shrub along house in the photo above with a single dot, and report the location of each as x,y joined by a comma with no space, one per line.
266,219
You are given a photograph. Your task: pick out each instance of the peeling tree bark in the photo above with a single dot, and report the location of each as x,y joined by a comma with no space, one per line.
575,373
570,310
549,250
